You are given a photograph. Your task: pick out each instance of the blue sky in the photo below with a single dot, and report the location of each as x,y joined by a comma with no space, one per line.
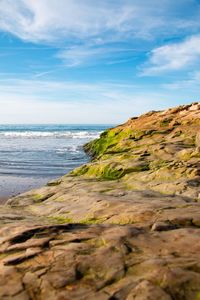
89,61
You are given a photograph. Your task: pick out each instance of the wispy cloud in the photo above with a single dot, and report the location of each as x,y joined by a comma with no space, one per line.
100,21
51,20
174,57
81,55
64,90
42,74
85,29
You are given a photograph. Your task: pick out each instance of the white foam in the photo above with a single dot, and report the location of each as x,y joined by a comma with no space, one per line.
49,134
72,148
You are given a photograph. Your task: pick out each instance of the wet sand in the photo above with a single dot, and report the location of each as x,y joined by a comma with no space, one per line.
13,185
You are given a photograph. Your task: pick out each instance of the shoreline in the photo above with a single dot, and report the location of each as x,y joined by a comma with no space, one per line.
11,186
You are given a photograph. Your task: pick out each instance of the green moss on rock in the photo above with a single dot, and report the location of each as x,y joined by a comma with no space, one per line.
108,140
89,221
38,198
60,219
80,171
111,170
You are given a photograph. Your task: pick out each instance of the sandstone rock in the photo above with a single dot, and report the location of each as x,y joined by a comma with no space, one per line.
162,226
198,140
146,290
124,226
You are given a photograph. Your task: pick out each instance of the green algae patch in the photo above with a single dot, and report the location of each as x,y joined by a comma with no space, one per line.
37,198
109,171
80,171
60,219
197,296
166,121
108,141
89,221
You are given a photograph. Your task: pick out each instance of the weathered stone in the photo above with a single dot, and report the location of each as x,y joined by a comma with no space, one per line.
162,226
145,290
124,226
198,140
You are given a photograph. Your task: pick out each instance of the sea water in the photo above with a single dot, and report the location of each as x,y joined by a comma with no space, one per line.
31,155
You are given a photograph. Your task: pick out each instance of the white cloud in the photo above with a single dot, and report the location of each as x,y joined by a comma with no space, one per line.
85,29
174,57
80,55
42,74
58,20
51,20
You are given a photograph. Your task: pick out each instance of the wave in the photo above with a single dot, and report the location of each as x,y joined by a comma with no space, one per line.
51,134
72,149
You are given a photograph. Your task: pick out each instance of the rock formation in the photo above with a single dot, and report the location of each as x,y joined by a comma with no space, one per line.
124,226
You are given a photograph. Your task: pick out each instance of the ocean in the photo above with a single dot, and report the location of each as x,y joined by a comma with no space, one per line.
31,155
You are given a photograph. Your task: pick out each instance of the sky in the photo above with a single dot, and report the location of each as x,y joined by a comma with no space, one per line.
91,61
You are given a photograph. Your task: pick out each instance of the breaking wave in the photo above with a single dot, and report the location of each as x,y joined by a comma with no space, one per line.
49,134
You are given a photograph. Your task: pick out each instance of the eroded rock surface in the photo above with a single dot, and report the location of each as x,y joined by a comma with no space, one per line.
124,226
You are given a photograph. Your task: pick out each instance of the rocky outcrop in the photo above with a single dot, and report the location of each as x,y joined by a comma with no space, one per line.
124,226
157,151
